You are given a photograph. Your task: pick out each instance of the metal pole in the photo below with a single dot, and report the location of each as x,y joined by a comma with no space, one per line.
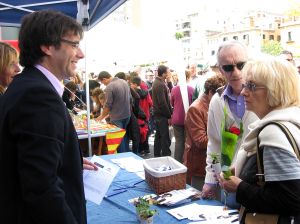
87,89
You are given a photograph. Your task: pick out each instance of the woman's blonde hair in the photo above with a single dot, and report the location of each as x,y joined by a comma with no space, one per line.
279,76
8,54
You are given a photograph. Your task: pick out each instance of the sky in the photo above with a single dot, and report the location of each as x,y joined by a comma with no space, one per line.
108,43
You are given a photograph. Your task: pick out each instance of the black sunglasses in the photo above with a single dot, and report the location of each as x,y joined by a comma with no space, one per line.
252,86
230,68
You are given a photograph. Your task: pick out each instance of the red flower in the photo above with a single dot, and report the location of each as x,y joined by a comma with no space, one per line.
235,130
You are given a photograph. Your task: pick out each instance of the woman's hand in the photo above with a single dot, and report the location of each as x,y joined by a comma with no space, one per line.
229,185
88,165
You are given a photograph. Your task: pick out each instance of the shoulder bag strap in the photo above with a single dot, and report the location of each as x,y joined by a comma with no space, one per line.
259,160
259,155
289,136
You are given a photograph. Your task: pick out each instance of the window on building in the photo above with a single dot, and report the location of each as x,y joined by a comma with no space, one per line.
271,37
264,36
235,37
225,38
245,37
290,36
213,53
278,38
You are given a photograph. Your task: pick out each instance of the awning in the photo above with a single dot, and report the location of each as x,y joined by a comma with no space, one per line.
87,12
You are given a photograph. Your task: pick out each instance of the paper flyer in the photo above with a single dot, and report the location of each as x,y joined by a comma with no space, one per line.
205,214
96,183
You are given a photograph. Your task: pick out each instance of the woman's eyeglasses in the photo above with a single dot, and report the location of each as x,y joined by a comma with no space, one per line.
252,87
230,68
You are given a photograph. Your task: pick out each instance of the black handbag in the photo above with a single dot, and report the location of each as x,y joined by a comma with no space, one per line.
263,218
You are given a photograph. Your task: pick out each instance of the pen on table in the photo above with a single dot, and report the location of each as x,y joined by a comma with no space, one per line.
235,220
116,193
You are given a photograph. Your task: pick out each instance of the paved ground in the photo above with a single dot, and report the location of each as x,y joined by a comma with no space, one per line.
151,146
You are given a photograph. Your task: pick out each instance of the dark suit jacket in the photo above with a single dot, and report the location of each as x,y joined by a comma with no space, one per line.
40,159
161,99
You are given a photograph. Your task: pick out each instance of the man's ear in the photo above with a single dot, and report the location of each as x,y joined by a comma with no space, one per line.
46,49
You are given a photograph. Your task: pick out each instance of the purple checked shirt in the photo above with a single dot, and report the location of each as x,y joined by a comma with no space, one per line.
236,104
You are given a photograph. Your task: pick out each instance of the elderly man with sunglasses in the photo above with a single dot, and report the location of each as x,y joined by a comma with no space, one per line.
231,58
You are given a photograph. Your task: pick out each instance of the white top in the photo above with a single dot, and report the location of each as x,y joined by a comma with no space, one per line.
215,117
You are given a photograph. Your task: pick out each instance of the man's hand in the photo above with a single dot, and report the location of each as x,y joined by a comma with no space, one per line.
88,165
209,191
103,115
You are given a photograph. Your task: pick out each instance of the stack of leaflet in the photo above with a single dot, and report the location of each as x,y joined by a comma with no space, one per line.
172,198
177,197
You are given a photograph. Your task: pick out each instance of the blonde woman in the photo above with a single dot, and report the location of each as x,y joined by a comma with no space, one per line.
9,65
272,92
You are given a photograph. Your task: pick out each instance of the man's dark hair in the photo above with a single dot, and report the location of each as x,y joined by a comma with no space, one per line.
136,80
92,85
161,70
103,75
44,27
133,74
121,75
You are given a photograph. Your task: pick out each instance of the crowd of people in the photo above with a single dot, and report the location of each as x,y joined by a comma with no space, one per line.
41,160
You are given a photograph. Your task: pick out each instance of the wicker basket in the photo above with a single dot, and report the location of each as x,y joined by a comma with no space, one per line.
164,181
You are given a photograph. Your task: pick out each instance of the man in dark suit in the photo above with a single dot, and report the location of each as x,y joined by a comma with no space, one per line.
40,159
162,112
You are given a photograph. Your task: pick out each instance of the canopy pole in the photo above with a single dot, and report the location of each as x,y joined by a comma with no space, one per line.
87,90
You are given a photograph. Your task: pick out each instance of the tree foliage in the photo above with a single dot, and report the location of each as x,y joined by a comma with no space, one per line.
294,9
272,47
178,35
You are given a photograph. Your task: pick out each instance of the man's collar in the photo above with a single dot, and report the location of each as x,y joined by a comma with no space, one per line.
59,87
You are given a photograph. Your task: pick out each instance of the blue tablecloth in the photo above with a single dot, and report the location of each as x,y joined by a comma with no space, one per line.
117,209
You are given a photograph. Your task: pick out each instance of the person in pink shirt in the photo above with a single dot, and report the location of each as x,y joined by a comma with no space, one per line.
178,116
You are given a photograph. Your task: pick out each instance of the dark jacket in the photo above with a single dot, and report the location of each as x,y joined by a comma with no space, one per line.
161,99
40,158
67,99
258,199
